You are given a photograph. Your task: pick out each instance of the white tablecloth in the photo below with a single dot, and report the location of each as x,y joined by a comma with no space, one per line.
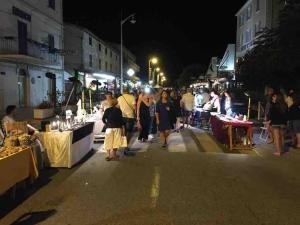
60,152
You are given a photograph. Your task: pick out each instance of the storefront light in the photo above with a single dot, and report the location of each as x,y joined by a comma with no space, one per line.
104,76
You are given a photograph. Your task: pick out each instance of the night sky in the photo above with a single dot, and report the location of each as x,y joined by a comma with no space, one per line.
179,35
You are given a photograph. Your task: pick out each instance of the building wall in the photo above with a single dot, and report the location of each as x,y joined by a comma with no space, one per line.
73,45
266,15
104,59
44,21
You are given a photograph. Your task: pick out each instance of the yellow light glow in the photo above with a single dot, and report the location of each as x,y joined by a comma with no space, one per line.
157,69
154,60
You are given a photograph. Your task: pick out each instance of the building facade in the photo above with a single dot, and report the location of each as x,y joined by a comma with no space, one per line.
31,66
252,18
89,54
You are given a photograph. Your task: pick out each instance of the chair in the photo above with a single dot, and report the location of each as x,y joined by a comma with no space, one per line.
264,134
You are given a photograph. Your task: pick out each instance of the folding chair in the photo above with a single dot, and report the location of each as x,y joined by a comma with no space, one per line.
264,134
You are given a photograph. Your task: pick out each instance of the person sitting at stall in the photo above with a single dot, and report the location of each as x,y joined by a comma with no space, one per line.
115,129
10,118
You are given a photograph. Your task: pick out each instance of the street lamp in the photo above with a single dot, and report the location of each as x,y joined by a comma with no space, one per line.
158,76
153,61
130,72
133,21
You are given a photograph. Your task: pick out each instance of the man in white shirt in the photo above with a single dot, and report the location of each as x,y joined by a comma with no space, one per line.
187,103
127,104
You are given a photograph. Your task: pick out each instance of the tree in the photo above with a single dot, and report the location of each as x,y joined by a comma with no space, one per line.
190,74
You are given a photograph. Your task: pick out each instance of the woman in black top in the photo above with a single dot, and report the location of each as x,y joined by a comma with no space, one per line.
294,117
277,116
144,118
114,123
176,110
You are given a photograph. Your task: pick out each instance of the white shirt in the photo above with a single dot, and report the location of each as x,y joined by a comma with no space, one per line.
205,98
127,105
198,100
188,101
7,119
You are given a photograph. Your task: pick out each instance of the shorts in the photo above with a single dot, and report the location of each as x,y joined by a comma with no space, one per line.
295,125
129,124
278,126
187,113
113,138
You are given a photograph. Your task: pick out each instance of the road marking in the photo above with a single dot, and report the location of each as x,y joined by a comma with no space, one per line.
155,188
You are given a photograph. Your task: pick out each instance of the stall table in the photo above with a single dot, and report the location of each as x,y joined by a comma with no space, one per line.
225,130
66,148
16,168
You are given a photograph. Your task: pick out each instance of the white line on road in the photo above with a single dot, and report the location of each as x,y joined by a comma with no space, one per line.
155,188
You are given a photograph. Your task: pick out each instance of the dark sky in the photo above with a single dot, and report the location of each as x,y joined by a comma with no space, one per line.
179,34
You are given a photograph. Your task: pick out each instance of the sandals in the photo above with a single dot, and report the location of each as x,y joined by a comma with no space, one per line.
112,158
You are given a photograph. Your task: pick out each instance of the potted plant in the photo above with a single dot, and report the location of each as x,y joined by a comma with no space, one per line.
44,110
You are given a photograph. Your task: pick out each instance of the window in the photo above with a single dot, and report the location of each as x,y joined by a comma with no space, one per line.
51,43
242,39
249,12
91,60
100,47
51,4
110,54
110,66
100,64
90,41
105,66
105,51
259,26
257,5
242,19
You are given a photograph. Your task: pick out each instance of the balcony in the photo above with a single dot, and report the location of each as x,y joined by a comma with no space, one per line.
29,51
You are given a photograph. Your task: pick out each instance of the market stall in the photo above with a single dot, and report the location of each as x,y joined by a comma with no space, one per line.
16,165
236,134
66,148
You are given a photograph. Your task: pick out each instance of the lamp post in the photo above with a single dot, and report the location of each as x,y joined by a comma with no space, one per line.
132,20
158,77
153,60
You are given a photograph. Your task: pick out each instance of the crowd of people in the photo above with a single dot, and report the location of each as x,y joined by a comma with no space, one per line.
165,111
158,111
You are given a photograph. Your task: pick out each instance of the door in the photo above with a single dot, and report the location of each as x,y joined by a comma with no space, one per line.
22,34
22,87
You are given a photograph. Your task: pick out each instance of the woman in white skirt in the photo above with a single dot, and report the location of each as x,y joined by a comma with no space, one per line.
114,124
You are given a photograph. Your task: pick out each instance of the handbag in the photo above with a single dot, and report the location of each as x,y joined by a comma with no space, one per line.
124,142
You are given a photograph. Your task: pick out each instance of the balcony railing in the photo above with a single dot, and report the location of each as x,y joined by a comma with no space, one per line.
10,46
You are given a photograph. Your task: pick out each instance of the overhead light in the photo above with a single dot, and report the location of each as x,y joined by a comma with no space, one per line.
130,72
104,76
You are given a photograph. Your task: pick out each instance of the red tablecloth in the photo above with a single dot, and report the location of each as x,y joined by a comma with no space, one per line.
219,127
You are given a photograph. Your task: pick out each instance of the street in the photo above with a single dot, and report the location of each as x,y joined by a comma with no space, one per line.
192,182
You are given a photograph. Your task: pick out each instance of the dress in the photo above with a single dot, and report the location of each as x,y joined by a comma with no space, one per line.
144,121
163,109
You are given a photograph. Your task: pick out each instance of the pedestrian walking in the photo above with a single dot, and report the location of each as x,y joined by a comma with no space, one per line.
127,104
163,118
188,104
176,112
143,117
115,129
